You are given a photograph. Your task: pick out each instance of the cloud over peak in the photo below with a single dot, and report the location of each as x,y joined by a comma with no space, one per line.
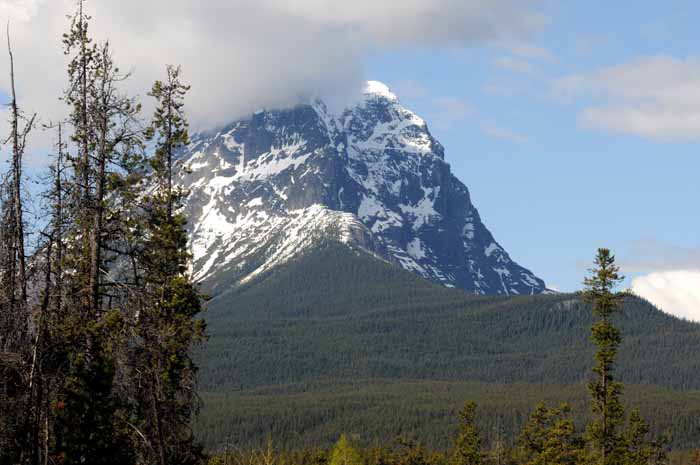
241,55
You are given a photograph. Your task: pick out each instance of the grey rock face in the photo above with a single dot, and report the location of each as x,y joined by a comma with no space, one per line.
266,188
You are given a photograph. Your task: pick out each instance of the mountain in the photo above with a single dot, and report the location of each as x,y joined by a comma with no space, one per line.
270,187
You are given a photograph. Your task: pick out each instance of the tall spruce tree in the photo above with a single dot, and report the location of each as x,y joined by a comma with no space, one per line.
168,326
467,447
639,450
604,431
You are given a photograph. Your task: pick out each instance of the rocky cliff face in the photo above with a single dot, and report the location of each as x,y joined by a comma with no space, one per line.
267,188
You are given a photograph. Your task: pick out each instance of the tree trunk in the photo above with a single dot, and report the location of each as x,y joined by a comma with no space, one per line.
96,239
17,150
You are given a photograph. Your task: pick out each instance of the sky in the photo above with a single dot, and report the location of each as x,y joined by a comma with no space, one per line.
574,124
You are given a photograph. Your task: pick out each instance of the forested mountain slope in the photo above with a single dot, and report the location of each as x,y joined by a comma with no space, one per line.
338,315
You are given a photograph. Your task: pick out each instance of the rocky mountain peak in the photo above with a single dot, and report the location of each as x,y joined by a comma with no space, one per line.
266,188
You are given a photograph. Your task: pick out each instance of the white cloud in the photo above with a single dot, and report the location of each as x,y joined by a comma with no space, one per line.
240,55
667,275
674,292
504,134
19,10
654,97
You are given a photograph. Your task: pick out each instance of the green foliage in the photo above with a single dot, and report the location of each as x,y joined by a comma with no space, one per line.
639,448
169,126
549,437
605,390
392,452
169,304
106,370
467,448
344,453
86,413
336,313
394,354
311,414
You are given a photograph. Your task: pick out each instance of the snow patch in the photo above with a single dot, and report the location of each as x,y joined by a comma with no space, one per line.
424,211
491,248
380,89
256,202
415,249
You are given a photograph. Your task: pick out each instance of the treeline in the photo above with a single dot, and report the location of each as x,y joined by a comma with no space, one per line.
613,436
97,320
404,451
308,415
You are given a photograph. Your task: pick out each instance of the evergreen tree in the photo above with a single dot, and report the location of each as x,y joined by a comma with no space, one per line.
639,450
167,325
604,432
550,437
96,366
90,409
467,447
169,128
83,54
660,453
344,454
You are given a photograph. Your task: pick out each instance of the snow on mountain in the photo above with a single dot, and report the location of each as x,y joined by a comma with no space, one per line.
267,188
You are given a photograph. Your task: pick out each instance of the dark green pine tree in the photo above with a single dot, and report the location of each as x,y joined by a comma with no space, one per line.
549,438
604,431
467,448
167,326
639,450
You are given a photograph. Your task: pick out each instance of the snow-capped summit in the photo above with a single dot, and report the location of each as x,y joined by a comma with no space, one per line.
379,89
267,188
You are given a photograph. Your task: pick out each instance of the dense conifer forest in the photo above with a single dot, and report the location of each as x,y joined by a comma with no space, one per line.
401,358
597,421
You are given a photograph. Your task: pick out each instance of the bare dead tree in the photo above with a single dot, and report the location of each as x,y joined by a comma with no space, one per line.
17,353
19,139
